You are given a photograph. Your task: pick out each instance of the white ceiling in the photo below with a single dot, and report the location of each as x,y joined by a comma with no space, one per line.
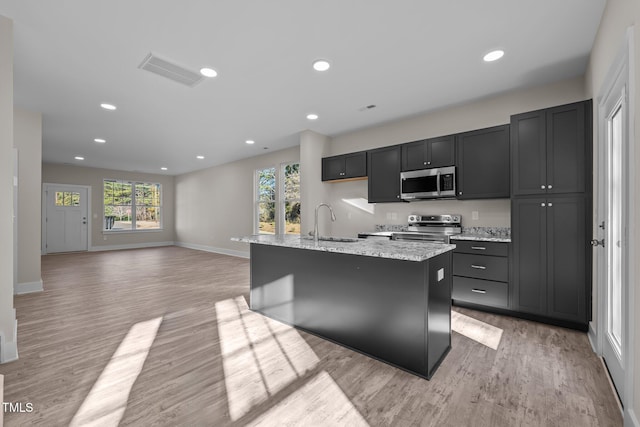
404,56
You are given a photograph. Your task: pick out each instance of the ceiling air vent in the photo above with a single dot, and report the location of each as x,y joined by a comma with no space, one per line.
171,71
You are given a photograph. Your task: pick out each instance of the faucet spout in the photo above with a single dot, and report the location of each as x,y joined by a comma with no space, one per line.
315,226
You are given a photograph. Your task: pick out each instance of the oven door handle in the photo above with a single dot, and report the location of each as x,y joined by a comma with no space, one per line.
438,182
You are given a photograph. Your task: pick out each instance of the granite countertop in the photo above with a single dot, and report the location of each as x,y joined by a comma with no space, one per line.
400,250
485,234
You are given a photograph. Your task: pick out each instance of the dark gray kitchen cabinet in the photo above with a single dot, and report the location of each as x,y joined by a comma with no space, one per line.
483,163
383,170
551,256
428,153
346,166
550,149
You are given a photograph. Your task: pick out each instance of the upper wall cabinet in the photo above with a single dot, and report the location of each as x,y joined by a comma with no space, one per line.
483,163
347,166
549,150
384,174
428,153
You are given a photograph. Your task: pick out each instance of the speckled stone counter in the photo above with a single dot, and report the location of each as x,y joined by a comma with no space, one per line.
400,250
485,234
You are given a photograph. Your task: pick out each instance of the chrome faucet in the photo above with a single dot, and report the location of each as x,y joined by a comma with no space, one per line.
315,227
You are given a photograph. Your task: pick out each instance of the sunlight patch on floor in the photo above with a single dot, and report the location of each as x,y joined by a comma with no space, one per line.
260,356
320,402
476,330
106,402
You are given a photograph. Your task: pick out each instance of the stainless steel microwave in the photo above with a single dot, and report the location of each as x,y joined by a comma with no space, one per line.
428,183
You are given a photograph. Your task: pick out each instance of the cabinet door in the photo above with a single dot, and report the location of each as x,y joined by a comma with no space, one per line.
566,149
441,152
355,165
384,174
414,155
566,258
332,168
483,163
529,243
528,153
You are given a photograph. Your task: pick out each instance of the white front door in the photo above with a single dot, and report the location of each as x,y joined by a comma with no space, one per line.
612,231
66,218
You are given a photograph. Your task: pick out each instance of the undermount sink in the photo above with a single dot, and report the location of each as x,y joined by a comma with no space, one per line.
334,239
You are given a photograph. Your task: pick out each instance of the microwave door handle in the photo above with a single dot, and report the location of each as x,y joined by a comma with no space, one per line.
438,183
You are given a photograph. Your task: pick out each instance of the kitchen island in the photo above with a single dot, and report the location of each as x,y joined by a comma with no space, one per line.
389,300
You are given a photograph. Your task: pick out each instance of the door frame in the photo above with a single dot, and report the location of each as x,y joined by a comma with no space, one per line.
45,187
624,58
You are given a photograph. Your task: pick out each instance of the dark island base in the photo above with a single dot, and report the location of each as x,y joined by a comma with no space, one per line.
395,311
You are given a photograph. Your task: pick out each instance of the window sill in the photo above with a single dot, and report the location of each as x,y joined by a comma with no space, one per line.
154,230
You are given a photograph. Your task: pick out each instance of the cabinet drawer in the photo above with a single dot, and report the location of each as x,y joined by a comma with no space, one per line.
481,267
481,248
484,292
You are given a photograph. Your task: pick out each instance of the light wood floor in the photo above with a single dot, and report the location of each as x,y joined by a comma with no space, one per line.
162,336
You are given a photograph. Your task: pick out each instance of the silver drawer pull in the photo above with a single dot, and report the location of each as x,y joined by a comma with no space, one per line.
479,267
479,248
479,291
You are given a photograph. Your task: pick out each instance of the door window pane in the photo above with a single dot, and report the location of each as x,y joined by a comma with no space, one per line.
292,198
615,231
266,206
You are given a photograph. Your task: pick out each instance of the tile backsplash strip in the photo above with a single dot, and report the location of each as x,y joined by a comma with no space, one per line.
488,231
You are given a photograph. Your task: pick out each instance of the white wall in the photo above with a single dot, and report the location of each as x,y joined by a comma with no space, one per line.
8,339
69,174
27,129
312,190
484,113
617,17
215,204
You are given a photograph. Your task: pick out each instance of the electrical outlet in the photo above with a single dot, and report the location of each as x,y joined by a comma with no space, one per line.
394,216
474,215
104,237
389,215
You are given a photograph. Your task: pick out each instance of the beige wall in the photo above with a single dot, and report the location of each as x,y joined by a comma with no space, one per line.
618,16
28,140
69,174
215,204
476,115
8,339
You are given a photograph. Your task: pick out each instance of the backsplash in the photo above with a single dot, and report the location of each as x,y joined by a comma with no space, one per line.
488,231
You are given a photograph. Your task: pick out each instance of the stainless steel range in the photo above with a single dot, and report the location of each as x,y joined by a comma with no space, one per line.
432,228
429,228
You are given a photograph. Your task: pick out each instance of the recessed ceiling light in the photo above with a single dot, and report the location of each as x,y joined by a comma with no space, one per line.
199,157
250,141
312,116
208,72
108,106
493,55
163,168
100,140
79,158
321,65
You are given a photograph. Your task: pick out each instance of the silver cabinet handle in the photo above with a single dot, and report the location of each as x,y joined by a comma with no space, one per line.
550,204
479,291
479,248
479,267
543,204
550,186
543,187
424,163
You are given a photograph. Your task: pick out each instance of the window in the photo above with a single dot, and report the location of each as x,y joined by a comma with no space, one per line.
266,202
132,206
67,198
277,206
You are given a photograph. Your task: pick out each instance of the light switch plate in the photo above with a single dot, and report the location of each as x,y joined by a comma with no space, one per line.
474,215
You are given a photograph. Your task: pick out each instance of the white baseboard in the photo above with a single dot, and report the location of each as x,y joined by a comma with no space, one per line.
28,287
129,246
630,418
593,337
223,251
9,349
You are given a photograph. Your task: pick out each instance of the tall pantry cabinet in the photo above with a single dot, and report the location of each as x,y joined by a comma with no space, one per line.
551,179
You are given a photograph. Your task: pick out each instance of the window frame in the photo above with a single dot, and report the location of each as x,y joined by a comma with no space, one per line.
133,228
279,201
281,213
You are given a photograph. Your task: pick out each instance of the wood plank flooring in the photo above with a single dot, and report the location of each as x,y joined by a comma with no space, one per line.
163,336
